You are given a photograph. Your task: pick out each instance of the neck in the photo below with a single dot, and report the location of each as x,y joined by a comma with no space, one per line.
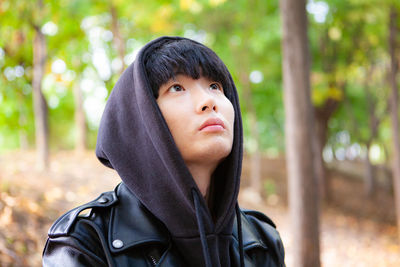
202,176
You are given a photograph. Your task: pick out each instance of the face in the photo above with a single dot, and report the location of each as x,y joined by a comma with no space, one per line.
199,117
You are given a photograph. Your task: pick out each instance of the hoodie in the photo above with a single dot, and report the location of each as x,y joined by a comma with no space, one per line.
134,139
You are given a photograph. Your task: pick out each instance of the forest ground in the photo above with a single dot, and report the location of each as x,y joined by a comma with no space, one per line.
355,230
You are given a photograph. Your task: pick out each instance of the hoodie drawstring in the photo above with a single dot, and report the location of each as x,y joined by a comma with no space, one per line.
239,225
204,245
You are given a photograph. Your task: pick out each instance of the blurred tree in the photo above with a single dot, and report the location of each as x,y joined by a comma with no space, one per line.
29,18
40,104
299,124
244,67
117,38
393,26
331,55
15,82
71,46
80,119
365,113
345,42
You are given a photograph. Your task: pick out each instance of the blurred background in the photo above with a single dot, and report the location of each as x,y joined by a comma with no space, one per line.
59,60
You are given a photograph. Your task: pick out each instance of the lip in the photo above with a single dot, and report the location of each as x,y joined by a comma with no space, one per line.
213,124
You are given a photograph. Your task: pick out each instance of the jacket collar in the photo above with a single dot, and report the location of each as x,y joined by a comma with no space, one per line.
251,239
131,224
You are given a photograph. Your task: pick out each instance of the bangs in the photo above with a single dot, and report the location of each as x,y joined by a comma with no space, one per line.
188,58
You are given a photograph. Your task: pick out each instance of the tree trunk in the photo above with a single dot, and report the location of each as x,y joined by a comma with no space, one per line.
39,102
117,39
321,125
387,173
303,193
322,117
80,120
394,114
23,136
369,183
369,179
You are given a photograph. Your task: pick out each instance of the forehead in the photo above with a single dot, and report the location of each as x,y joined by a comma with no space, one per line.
186,78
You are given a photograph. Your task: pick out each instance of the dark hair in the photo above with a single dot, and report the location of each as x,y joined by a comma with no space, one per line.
183,56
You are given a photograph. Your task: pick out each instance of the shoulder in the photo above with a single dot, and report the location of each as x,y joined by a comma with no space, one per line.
65,223
78,240
115,221
261,226
258,216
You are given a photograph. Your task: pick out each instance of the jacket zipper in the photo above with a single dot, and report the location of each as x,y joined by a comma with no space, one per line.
153,260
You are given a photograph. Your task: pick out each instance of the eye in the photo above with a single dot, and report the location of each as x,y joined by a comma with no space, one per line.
216,86
176,88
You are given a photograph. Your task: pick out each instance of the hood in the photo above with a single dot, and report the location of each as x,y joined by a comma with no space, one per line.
134,139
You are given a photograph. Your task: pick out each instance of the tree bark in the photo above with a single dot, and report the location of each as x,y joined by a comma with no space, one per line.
39,102
321,125
394,114
80,120
23,136
369,181
319,165
299,125
387,172
117,39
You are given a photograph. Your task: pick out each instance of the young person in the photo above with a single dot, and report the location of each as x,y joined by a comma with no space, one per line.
172,130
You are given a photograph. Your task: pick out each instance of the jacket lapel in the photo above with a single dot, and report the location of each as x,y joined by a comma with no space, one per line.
131,224
251,239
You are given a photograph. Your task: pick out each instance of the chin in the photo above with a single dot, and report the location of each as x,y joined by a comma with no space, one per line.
216,151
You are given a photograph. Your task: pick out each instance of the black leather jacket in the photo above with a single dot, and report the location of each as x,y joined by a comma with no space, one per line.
120,231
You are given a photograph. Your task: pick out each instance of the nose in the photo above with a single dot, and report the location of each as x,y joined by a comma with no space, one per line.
205,102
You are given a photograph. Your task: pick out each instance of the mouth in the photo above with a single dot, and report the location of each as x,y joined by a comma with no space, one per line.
212,125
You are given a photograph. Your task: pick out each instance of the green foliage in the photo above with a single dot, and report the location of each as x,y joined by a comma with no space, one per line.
345,45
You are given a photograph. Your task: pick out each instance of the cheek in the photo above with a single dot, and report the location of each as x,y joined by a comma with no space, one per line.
176,120
229,114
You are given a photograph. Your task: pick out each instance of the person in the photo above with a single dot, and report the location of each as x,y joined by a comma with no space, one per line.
172,130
